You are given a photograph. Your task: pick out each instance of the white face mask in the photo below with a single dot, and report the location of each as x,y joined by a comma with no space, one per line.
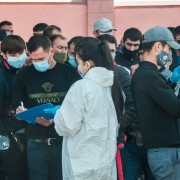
41,66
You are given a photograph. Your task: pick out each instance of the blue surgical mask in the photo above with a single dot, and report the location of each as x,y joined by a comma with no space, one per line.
80,73
17,62
113,55
72,61
41,66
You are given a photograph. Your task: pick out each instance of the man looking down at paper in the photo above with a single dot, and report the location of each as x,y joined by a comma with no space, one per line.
45,81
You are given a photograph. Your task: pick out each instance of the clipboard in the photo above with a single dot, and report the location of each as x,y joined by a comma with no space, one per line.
31,114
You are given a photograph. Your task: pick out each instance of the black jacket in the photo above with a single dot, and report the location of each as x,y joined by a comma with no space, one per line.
157,107
125,80
122,60
130,117
7,121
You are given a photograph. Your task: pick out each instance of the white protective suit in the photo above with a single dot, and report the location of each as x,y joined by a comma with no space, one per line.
87,119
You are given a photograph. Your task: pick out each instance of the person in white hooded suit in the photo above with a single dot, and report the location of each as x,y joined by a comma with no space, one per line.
89,117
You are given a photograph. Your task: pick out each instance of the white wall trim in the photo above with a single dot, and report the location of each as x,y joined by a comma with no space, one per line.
145,2
42,1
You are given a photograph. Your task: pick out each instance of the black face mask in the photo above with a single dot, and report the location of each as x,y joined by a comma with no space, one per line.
130,54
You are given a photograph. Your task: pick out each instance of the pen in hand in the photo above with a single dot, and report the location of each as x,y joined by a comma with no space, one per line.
22,105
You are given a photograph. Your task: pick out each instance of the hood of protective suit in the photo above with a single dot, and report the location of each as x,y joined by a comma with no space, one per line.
101,76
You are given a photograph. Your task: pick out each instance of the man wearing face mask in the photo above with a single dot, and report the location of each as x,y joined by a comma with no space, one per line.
132,153
164,60
45,81
157,106
12,162
71,54
130,114
130,47
59,43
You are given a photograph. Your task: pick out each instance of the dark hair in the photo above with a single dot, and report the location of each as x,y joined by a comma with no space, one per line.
99,54
147,46
40,27
176,31
3,23
54,37
85,40
3,34
107,38
13,44
90,39
36,42
133,34
74,40
49,30
171,29
55,27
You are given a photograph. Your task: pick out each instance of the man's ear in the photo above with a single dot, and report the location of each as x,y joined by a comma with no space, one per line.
157,47
4,55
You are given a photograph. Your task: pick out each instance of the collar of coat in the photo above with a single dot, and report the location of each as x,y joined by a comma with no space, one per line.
101,76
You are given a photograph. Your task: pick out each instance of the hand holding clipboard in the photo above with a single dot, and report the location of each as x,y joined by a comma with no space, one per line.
46,111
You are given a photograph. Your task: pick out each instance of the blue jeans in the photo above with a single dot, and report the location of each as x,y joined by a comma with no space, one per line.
44,161
136,162
165,163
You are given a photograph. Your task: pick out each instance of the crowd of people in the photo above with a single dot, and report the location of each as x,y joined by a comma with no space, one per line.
116,106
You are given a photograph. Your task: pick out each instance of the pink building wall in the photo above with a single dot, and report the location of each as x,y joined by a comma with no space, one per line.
77,18
98,9
71,17
145,17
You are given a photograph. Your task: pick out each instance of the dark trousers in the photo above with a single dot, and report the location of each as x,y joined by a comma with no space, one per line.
13,164
136,162
44,161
